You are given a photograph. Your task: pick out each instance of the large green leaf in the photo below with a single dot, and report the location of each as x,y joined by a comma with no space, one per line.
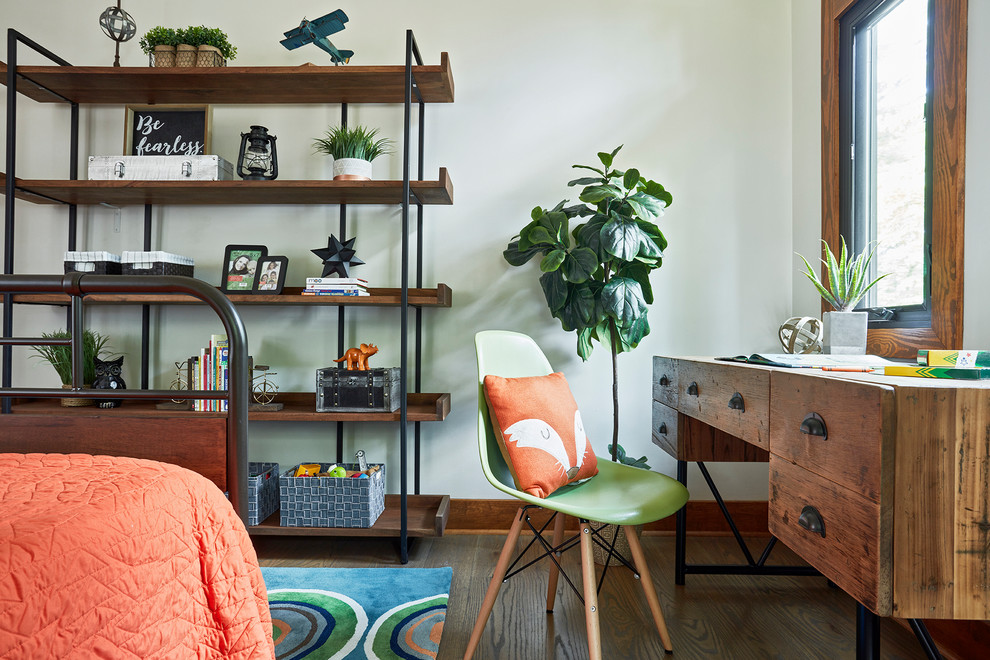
580,264
595,194
554,289
590,235
517,257
537,213
646,206
584,345
582,210
623,300
584,181
588,167
537,235
633,333
622,237
641,273
577,313
654,189
552,260
630,178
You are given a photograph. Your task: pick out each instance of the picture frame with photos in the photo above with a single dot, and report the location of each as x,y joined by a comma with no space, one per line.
270,276
240,267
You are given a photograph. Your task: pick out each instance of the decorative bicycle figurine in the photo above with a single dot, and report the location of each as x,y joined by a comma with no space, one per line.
262,389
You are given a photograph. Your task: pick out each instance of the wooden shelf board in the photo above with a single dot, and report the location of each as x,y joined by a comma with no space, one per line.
299,407
426,516
278,192
256,85
380,297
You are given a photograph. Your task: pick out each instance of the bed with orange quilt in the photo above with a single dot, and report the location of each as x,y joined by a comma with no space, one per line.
105,557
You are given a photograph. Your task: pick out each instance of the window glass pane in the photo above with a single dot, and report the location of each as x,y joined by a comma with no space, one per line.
901,38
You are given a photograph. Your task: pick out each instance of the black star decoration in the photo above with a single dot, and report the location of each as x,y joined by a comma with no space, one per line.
337,257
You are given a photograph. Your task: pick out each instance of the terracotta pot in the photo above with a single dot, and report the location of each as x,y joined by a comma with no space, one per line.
351,169
164,56
209,56
186,55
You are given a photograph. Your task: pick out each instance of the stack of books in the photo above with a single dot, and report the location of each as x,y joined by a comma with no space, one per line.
210,372
336,286
969,365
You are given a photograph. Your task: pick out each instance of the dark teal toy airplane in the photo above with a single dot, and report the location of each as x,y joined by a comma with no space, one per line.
316,32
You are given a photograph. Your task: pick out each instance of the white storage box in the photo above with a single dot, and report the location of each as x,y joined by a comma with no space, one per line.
99,263
160,168
155,263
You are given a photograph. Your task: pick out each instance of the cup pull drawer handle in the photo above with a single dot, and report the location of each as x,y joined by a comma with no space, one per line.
693,389
663,429
812,521
737,403
813,424
664,381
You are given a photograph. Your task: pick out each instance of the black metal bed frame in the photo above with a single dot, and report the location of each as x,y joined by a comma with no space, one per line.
412,55
77,286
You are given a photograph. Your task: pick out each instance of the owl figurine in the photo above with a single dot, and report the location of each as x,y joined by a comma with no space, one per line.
108,378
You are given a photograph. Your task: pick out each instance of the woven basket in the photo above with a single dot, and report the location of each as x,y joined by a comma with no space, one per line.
163,56
621,545
74,402
209,56
185,55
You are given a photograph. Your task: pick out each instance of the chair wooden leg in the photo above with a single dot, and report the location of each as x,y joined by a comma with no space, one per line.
558,537
639,559
590,594
493,587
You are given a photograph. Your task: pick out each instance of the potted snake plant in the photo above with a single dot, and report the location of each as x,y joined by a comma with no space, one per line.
60,357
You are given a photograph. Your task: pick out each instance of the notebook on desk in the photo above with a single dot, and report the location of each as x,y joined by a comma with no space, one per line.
812,361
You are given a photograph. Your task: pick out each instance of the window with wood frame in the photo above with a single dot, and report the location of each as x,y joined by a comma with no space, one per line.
893,149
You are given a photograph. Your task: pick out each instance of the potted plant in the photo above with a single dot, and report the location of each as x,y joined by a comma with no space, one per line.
352,150
159,44
60,357
844,329
211,44
596,277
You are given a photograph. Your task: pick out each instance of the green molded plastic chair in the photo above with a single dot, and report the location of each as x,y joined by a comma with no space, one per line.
619,495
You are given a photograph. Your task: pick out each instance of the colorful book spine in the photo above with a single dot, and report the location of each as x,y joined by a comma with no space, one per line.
961,359
335,281
967,373
335,292
340,287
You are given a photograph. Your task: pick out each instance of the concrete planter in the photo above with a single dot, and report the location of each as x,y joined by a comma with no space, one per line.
351,169
845,333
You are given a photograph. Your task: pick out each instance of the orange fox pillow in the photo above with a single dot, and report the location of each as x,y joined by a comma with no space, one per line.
540,432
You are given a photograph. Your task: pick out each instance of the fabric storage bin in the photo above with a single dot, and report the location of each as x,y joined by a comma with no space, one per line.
263,494
98,263
155,263
331,501
345,390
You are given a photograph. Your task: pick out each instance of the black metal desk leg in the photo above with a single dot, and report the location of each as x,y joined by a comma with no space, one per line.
867,634
680,533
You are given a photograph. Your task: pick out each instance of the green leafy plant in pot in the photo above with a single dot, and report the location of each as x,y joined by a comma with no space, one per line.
352,150
848,281
60,357
596,276
213,48
160,41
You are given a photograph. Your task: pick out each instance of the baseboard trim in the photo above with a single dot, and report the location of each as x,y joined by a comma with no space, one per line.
476,516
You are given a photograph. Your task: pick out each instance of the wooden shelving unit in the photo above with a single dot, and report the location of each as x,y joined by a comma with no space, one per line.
412,84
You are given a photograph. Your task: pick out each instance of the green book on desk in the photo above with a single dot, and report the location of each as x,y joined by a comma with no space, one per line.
967,373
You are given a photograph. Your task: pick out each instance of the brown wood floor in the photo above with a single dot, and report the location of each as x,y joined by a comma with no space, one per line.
725,617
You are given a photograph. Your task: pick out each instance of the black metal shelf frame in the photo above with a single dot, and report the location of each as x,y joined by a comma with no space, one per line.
412,55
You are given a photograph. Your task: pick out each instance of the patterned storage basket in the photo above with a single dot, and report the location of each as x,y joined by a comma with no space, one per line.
155,263
262,491
331,501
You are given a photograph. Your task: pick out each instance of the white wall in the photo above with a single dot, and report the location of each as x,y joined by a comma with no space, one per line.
700,93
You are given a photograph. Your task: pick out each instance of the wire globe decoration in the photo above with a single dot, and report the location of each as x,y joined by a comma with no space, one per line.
119,26
801,334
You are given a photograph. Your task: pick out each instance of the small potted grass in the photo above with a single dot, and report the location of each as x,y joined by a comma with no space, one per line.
60,357
159,44
352,150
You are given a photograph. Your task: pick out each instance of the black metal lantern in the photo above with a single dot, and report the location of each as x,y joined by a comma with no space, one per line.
257,159
119,26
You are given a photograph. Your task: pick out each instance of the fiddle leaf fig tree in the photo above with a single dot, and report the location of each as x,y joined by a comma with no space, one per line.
596,276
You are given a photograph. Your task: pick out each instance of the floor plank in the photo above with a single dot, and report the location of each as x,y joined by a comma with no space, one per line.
725,617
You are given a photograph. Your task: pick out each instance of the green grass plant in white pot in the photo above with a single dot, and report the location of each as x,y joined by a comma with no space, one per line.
848,281
352,150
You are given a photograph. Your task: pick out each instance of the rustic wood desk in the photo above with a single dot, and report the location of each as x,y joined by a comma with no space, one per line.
881,483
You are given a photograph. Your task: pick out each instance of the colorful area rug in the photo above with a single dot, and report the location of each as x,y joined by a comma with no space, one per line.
357,613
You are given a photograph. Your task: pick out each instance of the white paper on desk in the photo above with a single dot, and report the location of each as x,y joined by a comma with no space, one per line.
810,361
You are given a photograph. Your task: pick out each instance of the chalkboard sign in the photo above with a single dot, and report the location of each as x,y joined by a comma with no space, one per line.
167,130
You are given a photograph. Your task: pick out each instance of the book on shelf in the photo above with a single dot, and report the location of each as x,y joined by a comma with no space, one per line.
335,287
334,292
966,373
959,359
335,281
211,372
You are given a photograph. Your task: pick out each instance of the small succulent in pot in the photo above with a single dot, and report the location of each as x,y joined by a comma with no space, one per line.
847,279
352,150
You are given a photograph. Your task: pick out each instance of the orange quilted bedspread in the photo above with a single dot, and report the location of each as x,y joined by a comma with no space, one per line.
105,557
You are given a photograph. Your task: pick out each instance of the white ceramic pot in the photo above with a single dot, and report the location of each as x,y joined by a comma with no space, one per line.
844,333
351,169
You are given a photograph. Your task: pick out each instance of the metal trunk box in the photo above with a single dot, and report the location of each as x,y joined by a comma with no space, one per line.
345,390
160,168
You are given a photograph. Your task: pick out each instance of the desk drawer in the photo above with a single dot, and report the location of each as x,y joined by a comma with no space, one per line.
854,551
665,380
855,418
731,398
665,428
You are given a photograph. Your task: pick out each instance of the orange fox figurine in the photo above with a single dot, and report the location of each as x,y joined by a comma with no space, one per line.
357,358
